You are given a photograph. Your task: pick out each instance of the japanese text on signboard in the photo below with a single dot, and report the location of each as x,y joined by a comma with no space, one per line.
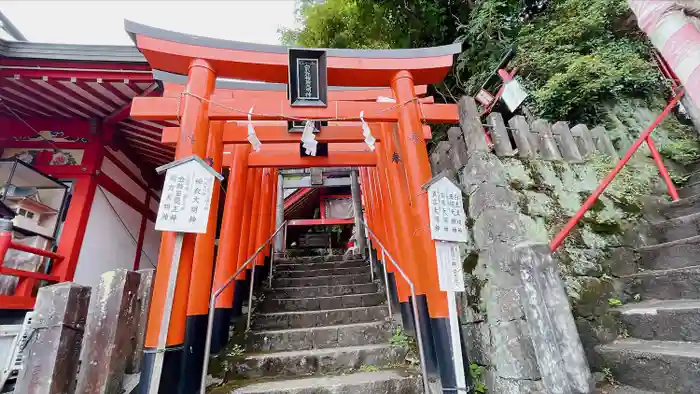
186,198
447,218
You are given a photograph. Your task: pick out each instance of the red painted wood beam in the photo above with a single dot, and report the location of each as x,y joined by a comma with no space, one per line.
28,274
118,191
318,222
81,102
126,170
74,127
175,89
293,160
122,112
165,108
14,302
276,134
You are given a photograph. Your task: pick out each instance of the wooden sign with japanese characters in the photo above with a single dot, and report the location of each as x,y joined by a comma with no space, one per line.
447,217
186,197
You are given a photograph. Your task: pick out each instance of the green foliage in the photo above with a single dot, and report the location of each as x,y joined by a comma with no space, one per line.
477,373
575,57
236,351
614,302
631,183
399,339
368,368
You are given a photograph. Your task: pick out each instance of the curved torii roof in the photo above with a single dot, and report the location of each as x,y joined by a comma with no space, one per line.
172,51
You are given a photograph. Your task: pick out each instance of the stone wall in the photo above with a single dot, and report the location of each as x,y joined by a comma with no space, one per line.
536,178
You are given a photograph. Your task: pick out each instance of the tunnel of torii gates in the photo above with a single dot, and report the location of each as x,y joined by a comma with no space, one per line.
213,121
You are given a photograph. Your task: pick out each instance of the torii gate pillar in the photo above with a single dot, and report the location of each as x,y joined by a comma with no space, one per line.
194,128
417,166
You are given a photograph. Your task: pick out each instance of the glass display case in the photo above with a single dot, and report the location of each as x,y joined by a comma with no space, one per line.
34,201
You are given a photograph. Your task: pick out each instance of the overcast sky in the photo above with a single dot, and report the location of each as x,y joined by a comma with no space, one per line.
102,22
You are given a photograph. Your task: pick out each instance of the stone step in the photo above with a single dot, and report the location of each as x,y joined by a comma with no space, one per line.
316,259
627,390
693,177
333,361
322,303
381,382
676,254
664,320
672,284
282,320
690,189
297,266
343,335
306,273
322,291
666,366
682,207
677,228
330,280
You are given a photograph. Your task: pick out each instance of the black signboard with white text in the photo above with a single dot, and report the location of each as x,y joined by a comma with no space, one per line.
308,79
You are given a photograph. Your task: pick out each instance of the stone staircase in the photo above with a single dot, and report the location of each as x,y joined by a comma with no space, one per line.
661,349
322,328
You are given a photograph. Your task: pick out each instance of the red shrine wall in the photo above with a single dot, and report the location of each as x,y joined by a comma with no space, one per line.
113,228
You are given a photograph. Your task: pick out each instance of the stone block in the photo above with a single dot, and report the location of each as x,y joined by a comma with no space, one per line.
603,143
594,332
108,333
594,295
521,134
143,303
584,262
567,144
518,175
499,135
682,283
470,122
458,147
490,196
501,385
545,175
512,354
323,280
51,356
497,227
322,291
584,139
548,146
308,319
538,204
477,338
622,261
663,366
333,361
482,167
555,340
587,177
440,158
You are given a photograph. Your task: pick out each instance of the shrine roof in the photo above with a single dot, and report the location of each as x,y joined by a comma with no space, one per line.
71,52
172,51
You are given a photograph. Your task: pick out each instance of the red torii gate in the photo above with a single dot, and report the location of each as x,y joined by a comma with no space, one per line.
203,60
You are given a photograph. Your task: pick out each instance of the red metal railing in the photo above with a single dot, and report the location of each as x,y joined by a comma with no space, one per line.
23,293
644,137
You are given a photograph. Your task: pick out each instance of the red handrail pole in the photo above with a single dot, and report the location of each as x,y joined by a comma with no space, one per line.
37,251
5,242
662,169
559,238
